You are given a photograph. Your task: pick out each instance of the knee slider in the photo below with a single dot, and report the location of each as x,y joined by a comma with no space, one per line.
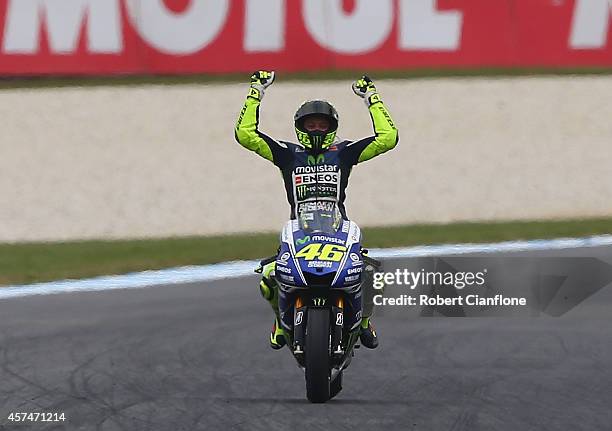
266,290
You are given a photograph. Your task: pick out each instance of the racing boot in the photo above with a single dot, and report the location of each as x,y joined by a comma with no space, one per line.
269,290
368,336
277,336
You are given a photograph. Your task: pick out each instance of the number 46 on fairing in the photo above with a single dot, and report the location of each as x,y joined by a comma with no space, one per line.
318,251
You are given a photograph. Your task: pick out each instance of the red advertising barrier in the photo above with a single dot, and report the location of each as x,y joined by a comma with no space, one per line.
217,36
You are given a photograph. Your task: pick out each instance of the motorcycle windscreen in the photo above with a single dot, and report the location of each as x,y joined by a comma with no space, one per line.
320,217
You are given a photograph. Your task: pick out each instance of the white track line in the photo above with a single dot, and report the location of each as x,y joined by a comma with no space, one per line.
193,274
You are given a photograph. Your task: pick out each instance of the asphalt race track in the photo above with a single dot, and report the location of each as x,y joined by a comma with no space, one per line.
196,357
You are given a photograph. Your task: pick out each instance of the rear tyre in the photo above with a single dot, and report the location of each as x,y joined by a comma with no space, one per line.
317,355
335,386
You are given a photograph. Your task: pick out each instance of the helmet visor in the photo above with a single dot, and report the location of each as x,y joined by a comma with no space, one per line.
316,123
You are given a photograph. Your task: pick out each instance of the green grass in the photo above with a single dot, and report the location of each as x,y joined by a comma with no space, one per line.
130,80
33,262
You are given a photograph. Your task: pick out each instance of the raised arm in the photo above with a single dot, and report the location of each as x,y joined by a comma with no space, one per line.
386,134
246,131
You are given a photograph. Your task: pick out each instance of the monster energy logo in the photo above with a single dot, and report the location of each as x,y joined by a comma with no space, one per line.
301,192
318,161
304,240
318,301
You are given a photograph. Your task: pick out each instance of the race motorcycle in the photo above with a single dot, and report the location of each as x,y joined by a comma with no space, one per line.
319,270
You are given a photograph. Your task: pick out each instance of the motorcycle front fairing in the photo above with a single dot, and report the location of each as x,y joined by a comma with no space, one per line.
318,265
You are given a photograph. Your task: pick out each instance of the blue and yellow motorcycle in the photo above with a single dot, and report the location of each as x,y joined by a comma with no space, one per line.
319,271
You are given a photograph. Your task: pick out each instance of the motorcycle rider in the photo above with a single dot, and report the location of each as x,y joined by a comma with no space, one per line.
316,123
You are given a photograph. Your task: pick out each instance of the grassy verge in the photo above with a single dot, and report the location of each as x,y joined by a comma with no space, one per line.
130,80
33,262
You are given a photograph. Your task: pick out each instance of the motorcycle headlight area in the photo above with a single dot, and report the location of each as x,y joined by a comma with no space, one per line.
288,288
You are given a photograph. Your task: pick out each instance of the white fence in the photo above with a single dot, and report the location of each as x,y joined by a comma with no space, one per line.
161,161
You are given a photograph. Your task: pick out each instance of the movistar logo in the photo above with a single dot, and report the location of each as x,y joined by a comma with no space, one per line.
304,240
318,161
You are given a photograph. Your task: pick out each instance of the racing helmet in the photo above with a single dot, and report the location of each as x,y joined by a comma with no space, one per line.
316,141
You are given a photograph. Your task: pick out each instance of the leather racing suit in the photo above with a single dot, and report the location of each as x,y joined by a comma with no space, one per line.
312,177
